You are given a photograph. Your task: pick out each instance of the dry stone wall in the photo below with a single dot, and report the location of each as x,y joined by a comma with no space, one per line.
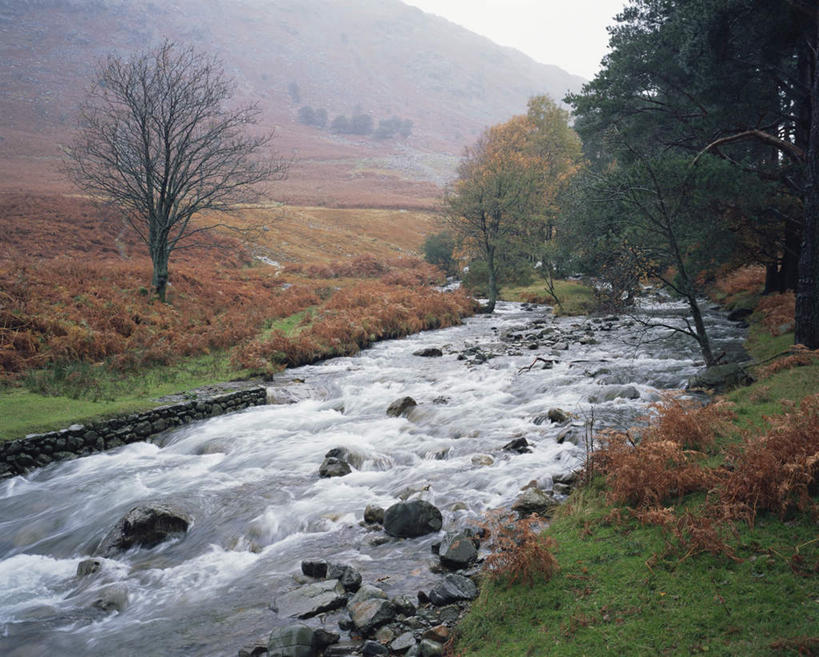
20,456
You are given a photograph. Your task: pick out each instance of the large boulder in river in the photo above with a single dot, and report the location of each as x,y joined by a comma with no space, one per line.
410,519
333,467
457,551
146,526
292,641
720,378
429,352
401,406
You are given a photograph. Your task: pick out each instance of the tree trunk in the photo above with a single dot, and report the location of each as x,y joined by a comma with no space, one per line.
159,282
493,280
807,294
702,335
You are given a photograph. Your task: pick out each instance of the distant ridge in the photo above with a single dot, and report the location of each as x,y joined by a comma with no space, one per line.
376,57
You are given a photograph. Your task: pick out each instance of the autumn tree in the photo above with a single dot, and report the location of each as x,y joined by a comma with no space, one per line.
157,139
503,201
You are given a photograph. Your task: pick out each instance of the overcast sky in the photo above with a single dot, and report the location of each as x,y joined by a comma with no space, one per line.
568,33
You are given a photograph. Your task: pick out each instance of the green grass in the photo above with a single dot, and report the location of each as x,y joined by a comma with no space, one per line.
611,597
622,590
575,298
61,395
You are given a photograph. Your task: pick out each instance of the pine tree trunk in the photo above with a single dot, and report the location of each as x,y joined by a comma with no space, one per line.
807,293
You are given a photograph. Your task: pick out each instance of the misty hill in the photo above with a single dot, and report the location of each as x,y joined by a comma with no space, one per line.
366,58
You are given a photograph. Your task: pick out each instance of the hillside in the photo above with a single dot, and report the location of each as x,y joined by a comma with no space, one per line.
379,58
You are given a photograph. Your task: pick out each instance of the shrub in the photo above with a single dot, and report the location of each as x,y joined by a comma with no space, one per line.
520,551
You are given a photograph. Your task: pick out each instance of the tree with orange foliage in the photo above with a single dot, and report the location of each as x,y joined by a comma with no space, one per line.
502,203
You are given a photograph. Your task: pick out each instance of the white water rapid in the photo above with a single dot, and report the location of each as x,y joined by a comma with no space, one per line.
250,480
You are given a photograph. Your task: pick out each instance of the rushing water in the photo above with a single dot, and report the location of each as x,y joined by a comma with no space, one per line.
250,481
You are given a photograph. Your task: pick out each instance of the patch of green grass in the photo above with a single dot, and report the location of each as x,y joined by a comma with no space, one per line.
761,345
612,597
576,298
292,325
99,392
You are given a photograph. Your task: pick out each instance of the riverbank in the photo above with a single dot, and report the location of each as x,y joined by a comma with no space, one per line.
683,572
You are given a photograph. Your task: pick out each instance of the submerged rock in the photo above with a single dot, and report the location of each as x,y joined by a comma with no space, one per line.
374,515
145,526
518,445
410,519
401,406
429,352
370,609
113,597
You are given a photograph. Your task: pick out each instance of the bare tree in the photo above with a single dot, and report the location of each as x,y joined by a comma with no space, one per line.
157,140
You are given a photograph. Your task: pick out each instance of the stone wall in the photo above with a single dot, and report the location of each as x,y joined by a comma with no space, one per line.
20,456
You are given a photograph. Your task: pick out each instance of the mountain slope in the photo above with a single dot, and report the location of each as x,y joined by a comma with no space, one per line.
381,58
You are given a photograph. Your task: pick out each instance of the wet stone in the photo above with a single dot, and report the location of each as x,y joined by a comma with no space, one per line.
374,649
457,551
451,589
311,599
291,641
403,642
373,515
410,519
518,445
333,467
317,569
400,407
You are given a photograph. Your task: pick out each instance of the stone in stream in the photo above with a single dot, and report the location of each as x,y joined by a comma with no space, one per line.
347,455
314,568
404,606
323,638
311,599
292,641
404,642
721,378
256,649
88,567
451,589
374,515
348,576
457,551
145,526
429,648
374,649
482,460
333,467
518,445
113,597
401,407
370,609
533,500
429,352
410,519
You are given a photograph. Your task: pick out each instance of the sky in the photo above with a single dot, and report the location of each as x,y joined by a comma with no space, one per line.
570,34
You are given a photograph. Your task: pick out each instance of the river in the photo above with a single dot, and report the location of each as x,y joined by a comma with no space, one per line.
250,480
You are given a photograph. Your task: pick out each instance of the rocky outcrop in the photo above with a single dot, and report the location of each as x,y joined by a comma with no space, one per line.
145,526
720,378
410,519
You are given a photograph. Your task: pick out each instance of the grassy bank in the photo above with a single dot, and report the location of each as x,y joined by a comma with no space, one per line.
575,298
651,564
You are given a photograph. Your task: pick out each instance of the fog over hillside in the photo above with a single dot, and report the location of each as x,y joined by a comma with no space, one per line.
431,86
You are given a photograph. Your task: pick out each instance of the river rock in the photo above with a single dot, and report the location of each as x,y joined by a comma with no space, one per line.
534,500
439,634
374,649
482,460
333,467
404,606
343,649
518,445
374,515
451,589
355,459
348,576
88,567
145,526
457,551
323,638
292,641
429,352
369,609
113,597
403,642
720,378
256,649
401,406
429,648
314,568
410,519
311,599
